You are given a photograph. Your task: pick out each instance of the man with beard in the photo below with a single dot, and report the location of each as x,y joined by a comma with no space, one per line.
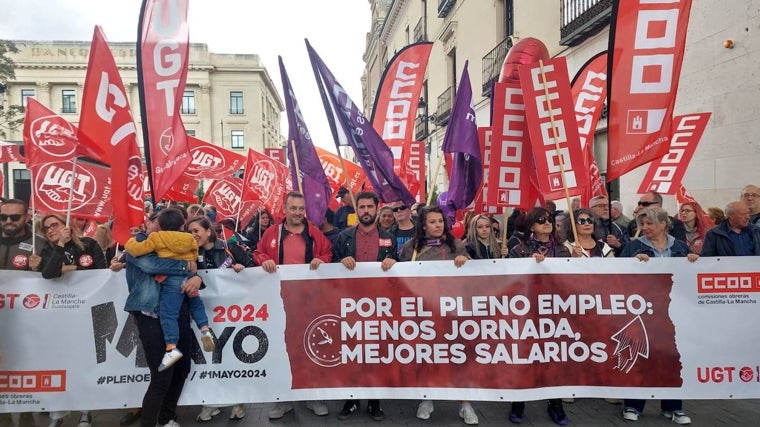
366,242
294,241
17,238
16,254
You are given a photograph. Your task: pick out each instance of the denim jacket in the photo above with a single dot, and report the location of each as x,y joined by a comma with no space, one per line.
144,291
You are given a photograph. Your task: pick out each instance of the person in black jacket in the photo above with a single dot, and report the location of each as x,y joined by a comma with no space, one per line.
65,251
366,242
736,236
214,253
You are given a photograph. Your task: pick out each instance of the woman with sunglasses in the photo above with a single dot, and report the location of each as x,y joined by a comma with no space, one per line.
587,245
655,242
65,251
540,244
695,225
433,241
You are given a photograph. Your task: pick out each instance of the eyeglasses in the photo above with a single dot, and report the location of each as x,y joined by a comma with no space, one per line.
686,211
53,226
544,220
399,208
12,217
645,204
750,195
582,221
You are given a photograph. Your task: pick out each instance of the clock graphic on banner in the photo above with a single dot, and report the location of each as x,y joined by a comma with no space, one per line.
321,341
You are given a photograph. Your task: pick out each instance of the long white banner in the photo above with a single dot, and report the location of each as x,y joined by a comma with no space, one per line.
491,330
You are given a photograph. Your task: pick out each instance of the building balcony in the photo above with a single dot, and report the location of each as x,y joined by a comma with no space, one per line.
492,63
444,7
419,32
444,106
581,19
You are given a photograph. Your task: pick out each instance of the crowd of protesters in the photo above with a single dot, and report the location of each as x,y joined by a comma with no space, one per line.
361,231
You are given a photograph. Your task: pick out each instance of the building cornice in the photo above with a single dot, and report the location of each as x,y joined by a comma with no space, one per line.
397,9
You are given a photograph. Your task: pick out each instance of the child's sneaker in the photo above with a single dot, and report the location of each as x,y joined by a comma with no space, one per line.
170,358
207,337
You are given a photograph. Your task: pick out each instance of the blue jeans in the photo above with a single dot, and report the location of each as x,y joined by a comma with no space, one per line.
170,305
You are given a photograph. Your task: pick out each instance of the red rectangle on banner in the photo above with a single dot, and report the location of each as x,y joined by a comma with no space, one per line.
721,283
546,330
32,381
550,116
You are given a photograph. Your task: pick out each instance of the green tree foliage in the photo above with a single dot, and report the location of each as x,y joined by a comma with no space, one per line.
12,116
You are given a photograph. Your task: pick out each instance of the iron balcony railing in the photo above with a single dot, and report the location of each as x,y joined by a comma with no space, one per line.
492,64
580,19
443,108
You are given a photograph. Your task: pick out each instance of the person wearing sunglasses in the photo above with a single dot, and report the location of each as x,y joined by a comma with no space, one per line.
18,238
16,243
604,227
649,199
404,227
64,251
587,245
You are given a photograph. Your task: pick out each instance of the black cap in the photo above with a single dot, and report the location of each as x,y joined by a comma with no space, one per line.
342,192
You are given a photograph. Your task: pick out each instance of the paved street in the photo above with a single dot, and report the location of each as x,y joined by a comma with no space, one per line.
584,412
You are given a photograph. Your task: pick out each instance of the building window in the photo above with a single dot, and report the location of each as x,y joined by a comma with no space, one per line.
22,174
238,139
188,102
25,95
69,98
190,132
236,102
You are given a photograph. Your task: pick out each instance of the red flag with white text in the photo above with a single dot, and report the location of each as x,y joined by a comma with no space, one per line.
267,180
665,174
511,173
354,174
162,58
589,89
89,189
10,152
48,137
396,103
183,190
646,48
225,194
106,122
550,118
210,161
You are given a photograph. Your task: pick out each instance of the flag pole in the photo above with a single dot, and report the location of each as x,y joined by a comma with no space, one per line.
504,210
345,179
299,181
71,191
557,152
435,178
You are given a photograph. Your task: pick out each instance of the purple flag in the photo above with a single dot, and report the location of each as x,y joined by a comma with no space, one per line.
461,140
313,182
351,128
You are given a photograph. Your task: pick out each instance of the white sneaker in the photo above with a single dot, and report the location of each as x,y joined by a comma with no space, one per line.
631,414
84,420
207,413
237,412
318,407
678,417
208,340
467,414
280,409
170,358
171,423
56,422
425,409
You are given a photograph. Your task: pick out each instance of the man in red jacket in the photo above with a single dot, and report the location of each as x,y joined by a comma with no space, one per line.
294,241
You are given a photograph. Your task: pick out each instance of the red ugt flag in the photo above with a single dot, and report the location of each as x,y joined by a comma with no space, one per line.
161,72
106,122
